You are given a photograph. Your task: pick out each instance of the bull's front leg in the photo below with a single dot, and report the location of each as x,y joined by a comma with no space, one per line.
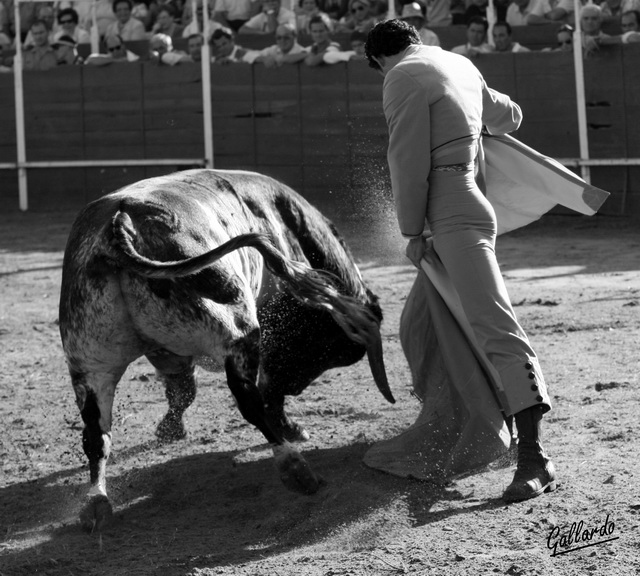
241,366
274,406
94,396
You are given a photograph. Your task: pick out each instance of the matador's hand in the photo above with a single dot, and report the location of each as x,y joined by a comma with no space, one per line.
415,250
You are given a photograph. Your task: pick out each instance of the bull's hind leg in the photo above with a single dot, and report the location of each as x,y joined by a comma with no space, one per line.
178,375
241,366
94,396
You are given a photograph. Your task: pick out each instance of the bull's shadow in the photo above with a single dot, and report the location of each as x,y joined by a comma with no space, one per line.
205,510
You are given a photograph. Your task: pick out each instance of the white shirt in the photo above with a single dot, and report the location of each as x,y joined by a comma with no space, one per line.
429,37
515,17
515,47
194,28
79,35
463,49
234,9
259,21
274,52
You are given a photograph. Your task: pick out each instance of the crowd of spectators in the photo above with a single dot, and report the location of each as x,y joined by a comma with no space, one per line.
50,32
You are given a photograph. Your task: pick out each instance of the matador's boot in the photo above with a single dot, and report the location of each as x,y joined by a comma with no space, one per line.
535,473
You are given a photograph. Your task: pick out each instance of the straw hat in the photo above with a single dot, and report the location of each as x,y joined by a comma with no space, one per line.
411,11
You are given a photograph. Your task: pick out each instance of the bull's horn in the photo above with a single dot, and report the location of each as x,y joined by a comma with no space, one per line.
376,362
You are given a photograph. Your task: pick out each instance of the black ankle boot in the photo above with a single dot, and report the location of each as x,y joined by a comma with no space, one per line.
535,473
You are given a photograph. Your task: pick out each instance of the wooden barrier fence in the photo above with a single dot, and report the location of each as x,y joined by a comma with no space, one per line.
321,130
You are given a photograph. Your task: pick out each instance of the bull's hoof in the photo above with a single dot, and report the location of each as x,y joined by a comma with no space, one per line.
295,433
96,514
297,475
170,430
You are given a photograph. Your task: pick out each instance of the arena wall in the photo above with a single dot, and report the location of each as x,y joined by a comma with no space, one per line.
321,130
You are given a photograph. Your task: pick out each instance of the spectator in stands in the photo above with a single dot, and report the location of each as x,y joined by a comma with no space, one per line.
116,53
28,15
166,23
161,51
501,7
195,42
614,9
357,41
562,11
66,51
105,16
176,7
528,12
476,8
196,26
629,23
226,51
591,24
503,40
611,8
306,11
361,17
234,13
457,9
6,61
45,14
187,10
5,41
140,11
438,13
414,14
286,50
476,39
270,18
320,27
4,20
68,20
336,9
39,56
564,36
128,28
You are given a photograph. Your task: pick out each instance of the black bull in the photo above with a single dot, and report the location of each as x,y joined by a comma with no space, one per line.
200,267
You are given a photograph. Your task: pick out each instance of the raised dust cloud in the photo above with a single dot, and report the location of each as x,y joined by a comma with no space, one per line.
365,214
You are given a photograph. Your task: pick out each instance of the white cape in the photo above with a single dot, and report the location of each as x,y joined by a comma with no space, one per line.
461,426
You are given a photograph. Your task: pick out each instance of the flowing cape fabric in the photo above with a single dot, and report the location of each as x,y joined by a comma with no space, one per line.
461,427
523,184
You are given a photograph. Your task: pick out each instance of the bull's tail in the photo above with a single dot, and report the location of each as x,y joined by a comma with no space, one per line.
312,287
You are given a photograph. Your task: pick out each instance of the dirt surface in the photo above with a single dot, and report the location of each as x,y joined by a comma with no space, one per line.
213,504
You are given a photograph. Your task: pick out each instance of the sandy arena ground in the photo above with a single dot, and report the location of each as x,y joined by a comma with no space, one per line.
212,504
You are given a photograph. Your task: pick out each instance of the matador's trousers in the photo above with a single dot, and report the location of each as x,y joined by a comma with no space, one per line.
463,225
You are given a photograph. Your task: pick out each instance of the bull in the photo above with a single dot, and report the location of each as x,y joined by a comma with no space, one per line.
208,267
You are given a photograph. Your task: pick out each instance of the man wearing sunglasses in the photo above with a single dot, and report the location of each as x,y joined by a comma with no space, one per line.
359,18
116,52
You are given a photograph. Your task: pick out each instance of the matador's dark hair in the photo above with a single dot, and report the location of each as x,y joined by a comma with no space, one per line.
388,38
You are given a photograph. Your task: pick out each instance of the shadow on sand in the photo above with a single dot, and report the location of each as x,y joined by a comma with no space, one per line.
206,510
